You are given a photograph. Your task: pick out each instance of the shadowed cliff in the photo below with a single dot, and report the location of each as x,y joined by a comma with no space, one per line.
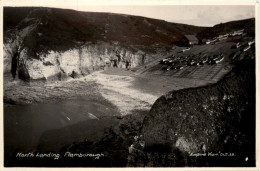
217,119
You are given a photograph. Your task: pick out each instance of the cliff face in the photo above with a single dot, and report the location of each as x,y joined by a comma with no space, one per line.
189,126
74,62
47,43
12,46
8,53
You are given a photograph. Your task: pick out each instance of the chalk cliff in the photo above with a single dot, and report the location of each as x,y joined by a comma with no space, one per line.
73,62
48,43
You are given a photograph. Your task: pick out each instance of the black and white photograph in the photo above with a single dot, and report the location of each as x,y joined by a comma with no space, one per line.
129,86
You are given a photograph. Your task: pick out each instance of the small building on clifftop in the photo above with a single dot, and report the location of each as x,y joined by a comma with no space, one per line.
191,39
188,40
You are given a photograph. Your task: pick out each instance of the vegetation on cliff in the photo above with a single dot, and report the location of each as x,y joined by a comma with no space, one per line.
218,119
61,29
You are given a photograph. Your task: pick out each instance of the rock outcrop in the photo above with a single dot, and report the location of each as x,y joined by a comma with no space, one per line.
29,54
48,43
189,126
74,62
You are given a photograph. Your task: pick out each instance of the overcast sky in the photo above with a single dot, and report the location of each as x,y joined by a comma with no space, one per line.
203,15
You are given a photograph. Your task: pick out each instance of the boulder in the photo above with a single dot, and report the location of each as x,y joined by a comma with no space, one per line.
216,119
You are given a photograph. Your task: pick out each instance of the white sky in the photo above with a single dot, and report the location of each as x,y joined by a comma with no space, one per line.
207,14
204,15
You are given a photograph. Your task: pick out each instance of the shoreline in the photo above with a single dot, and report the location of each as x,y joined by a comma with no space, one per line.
120,87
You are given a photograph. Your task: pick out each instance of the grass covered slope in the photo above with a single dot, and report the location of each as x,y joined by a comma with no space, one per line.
59,29
63,29
217,119
224,28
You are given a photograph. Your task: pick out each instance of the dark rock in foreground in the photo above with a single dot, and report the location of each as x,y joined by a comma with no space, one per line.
206,126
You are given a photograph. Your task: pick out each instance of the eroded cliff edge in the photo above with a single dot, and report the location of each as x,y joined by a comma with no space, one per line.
205,126
181,127
210,126
74,62
48,43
